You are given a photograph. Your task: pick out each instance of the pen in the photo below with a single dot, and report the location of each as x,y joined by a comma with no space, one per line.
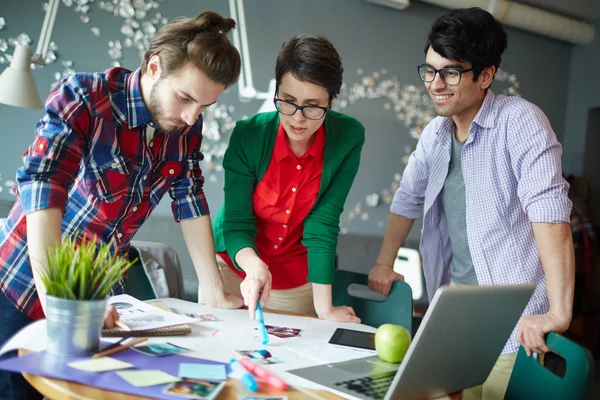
116,344
247,378
121,347
262,329
263,374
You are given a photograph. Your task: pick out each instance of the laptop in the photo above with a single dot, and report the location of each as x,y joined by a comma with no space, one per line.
456,347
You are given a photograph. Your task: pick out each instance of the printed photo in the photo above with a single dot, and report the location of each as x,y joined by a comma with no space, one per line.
159,349
260,356
195,388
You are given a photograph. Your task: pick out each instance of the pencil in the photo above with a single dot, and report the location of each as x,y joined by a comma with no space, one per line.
121,347
122,325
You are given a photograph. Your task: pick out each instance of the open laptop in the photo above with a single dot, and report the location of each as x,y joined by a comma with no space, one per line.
456,346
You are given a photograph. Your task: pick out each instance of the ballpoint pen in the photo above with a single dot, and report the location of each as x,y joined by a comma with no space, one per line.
262,329
246,377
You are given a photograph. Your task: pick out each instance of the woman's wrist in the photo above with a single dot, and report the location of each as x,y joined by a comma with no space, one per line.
248,260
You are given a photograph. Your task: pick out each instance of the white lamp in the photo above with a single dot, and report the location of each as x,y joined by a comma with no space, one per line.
17,86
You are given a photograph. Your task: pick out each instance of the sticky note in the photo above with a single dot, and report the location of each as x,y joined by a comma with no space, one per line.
100,364
209,372
141,378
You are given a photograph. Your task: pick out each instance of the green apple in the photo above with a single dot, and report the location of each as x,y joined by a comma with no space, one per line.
391,342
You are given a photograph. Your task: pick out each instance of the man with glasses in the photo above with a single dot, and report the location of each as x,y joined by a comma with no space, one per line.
487,172
287,176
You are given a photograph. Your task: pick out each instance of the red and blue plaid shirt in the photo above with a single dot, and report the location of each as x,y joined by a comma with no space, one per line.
94,158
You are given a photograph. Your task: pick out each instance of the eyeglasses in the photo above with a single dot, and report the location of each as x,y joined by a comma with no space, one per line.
450,76
310,112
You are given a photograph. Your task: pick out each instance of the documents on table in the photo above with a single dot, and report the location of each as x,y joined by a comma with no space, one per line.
139,315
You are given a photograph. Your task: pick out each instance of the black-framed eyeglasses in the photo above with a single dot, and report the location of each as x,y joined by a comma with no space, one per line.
450,76
310,112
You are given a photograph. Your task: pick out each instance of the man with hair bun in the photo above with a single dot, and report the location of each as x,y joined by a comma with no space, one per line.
109,146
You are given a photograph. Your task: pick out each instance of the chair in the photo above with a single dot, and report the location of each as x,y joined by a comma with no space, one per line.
138,284
408,264
531,380
374,309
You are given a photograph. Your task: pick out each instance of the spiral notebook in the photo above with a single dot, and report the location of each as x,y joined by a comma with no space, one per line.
175,330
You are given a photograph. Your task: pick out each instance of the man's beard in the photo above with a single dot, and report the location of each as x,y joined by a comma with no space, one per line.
156,111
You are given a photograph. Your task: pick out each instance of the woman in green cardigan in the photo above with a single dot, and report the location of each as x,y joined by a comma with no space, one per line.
287,176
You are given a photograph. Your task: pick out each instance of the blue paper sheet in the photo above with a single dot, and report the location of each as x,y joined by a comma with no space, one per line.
208,372
45,364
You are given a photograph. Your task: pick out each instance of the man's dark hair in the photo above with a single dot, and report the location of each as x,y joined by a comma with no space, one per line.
311,59
468,35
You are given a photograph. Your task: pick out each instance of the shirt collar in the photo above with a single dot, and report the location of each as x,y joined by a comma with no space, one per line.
282,150
485,118
136,110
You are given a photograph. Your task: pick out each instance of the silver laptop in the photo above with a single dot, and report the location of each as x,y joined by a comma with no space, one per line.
456,346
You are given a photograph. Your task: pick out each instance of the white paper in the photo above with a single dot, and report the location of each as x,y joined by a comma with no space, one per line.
32,337
139,315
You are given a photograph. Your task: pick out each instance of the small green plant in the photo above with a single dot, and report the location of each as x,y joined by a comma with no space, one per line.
83,272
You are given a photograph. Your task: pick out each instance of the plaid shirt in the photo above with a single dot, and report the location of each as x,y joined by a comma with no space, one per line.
93,158
511,165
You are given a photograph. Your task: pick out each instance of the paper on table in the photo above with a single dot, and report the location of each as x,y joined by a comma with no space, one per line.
32,337
209,372
139,315
151,377
100,364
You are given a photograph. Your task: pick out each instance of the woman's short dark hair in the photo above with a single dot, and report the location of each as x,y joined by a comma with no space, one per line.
311,59
468,35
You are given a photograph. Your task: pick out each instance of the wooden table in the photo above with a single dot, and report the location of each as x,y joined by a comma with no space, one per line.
57,389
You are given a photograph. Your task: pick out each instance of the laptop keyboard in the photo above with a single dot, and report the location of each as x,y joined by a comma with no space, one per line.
374,386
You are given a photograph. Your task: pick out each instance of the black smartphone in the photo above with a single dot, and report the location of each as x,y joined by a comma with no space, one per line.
352,338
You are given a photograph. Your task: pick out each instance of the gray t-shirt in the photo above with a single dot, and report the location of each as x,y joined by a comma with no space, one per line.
453,196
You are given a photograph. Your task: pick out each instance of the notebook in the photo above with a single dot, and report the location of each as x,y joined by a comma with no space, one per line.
176,330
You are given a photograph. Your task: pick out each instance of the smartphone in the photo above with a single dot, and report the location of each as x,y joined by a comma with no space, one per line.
355,339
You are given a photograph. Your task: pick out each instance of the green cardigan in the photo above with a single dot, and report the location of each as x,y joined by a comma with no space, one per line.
246,161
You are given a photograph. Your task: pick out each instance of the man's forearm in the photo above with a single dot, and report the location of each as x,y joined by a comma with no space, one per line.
397,229
555,245
43,231
198,237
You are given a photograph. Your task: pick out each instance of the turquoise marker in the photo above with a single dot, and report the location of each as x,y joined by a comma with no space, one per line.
262,330
246,377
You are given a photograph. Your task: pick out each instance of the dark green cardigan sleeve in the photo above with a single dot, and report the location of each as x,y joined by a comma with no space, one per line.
322,226
239,229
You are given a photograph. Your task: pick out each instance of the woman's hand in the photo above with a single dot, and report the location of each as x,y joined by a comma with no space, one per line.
256,284
340,314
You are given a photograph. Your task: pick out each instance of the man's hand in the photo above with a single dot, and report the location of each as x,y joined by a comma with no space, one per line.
381,278
257,283
223,300
340,314
111,316
533,329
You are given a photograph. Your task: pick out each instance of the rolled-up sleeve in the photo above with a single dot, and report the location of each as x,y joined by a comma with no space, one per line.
51,163
536,162
187,192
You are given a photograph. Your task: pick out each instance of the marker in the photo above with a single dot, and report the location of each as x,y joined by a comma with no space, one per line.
262,329
247,378
263,374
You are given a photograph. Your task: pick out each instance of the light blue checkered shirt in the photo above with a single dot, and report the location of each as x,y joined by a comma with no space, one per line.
512,170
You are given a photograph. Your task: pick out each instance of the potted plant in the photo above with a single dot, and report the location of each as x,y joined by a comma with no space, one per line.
77,282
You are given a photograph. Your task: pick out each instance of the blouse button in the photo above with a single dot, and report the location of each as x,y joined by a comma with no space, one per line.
294,189
275,247
298,167
287,211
